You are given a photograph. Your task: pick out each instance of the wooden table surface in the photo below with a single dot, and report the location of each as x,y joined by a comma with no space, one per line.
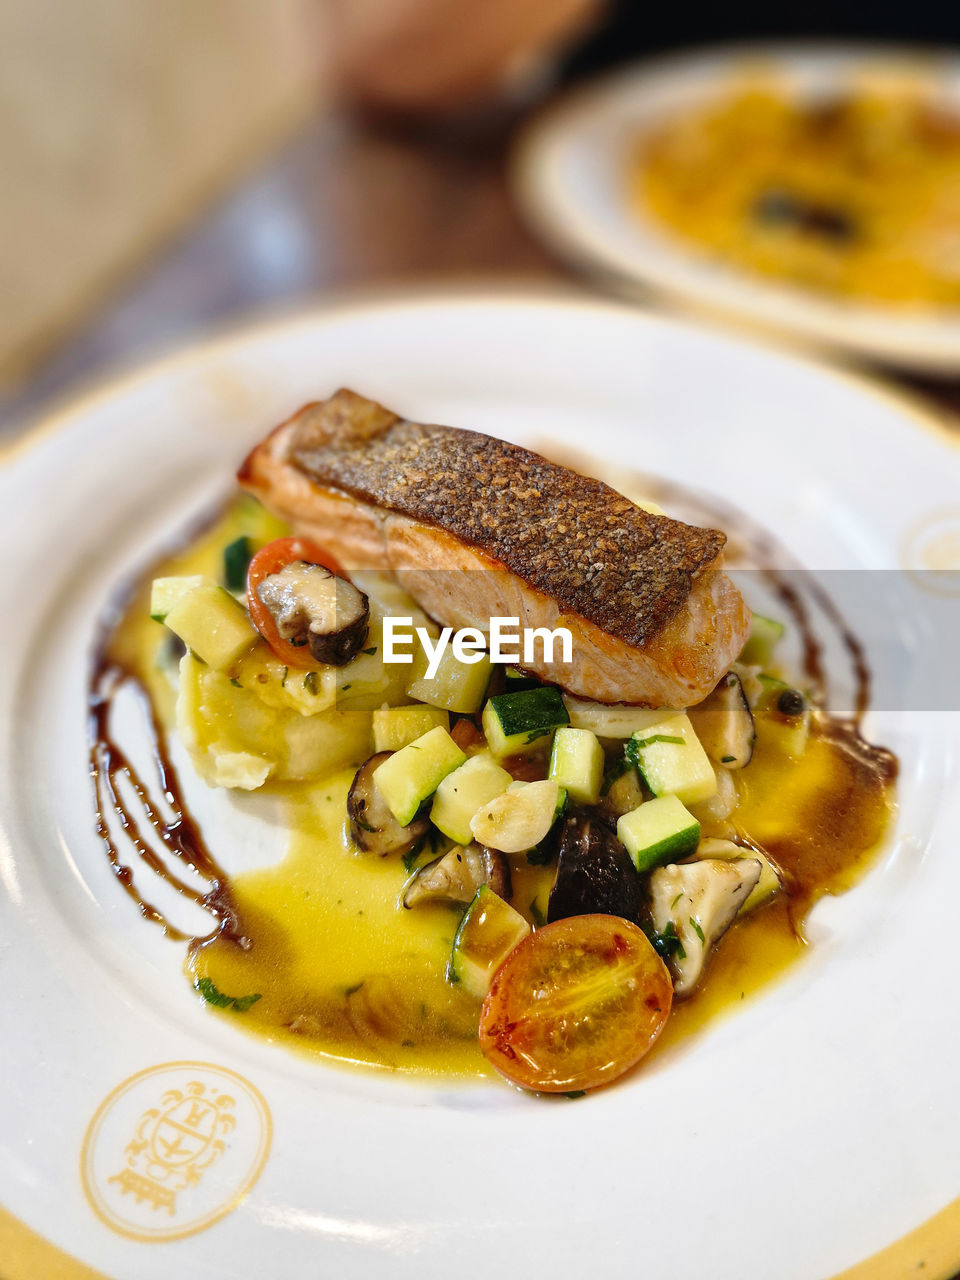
343,203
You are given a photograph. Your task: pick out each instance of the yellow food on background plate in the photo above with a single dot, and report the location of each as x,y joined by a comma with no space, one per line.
853,193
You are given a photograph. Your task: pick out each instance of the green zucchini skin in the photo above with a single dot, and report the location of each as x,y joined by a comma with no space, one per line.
530,711
514,722
489,930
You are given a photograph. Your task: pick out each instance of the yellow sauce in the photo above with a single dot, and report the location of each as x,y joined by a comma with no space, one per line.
343,970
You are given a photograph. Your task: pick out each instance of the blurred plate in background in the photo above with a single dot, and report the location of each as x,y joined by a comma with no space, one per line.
572,173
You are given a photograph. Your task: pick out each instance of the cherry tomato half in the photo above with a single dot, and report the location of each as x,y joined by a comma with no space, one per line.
271,559
575,1005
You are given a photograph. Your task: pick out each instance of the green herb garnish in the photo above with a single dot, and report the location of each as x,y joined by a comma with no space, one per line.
370,652
433,838
410,859
695,924
210,993
310,682
637,743
242,1003
666,943
234,681
539,919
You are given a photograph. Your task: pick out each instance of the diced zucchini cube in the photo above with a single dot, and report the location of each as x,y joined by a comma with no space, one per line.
395,727
165,593
658,832
213,625
672,762
765,635
458,686
489,931
461,793
611,722
412,774
576,762
518,722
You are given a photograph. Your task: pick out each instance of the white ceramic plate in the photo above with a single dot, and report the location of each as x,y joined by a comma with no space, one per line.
808,1130
571,176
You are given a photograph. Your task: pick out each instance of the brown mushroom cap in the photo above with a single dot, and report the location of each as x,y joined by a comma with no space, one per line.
373,827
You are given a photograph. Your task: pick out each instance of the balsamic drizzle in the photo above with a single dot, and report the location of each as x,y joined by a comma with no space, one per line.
110,769
120,790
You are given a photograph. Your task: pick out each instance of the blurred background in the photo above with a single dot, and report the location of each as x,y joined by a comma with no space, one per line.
172,165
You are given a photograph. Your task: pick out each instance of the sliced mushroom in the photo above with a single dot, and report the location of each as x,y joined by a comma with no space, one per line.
724,724
458,875
373,827
695,903
729,850
594,872
313,606
750,681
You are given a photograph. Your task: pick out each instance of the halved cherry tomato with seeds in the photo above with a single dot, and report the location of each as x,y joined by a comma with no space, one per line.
575,1005
271,559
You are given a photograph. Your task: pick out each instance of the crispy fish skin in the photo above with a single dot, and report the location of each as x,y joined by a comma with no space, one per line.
652,618
567,535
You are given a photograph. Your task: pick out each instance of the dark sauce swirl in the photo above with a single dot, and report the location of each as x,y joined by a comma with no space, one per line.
113,773
123,794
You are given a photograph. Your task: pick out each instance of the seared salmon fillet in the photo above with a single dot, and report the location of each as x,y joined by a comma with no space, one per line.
477,528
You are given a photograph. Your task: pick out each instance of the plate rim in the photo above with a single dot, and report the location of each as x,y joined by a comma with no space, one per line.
939,1231
101,385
